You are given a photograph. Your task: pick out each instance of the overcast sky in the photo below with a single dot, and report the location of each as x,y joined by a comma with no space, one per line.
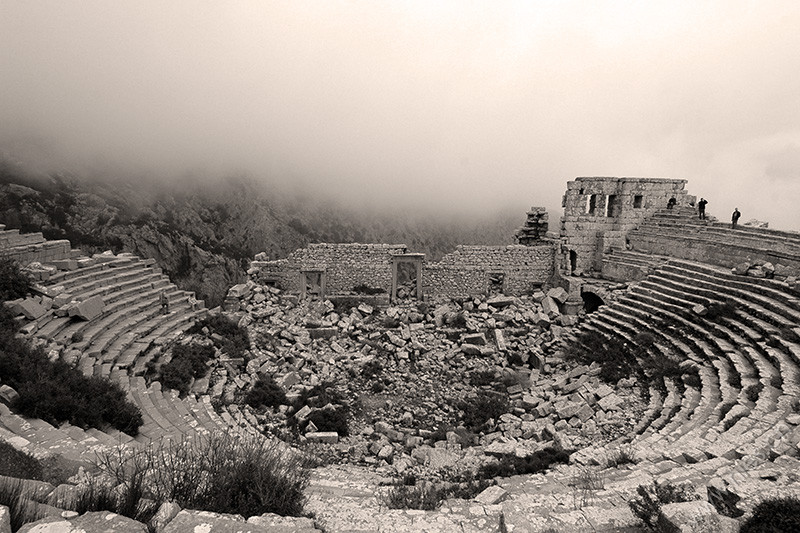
455,104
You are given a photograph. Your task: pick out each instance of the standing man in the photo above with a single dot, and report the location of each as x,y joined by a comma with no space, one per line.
701,208
735,217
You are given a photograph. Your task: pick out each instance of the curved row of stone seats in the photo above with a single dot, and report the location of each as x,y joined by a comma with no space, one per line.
628,265
682,236
760,428
41,440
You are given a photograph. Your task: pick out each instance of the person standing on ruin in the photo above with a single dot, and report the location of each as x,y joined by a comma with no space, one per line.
701,208
164,299
735,217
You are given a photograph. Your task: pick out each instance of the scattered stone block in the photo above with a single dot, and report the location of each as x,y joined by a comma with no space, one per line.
329,437
698,517
558,294
8,395
492,495
500,301
88,309
478,339
470,349
28,307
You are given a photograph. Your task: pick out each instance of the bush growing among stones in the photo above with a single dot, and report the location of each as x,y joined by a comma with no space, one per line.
429,497
647,506
482,407
265,393
14,282
774,515
753,391
188,362
718,310
56,392
218,473
511,465
235,340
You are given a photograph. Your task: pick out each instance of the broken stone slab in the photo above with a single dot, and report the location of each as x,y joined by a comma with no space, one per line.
492,495
471,349
328,437
550,307
242,290
478,339
8,395
88,309
166,512
700,310
65,264
500,301
28,307
558,294
697,517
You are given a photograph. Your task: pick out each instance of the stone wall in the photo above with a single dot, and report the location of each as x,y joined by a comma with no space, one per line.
344,266
598,213
466,271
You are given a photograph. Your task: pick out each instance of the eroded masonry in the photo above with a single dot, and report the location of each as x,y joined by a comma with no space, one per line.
602,217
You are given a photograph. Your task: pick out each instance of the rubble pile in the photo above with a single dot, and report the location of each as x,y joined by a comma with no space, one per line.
407,371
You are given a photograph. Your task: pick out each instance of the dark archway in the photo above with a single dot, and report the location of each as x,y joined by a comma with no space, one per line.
591,301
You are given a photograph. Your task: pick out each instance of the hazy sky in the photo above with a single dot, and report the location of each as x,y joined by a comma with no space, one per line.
458,104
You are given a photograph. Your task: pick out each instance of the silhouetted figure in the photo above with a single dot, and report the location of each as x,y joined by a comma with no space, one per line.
701,208
164,299
735,217
671,203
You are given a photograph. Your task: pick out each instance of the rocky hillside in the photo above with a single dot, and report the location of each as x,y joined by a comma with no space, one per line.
203,234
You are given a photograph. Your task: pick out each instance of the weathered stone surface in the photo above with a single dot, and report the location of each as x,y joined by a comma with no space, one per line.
88,309
97,522
28,307
273,523
558,294
330,437
492,495
166,512
8,395
698,517
5,519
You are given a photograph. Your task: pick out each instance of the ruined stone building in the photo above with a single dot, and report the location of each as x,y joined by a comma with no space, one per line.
603,218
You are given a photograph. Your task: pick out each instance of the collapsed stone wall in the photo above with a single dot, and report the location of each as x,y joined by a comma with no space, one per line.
344,266
466,271
599,212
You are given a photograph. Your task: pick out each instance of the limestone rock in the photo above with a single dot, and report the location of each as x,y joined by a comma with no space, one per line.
88,309
8,395
166,512
96,522
331,437
698,517
492,495
5,519
558,294
28,307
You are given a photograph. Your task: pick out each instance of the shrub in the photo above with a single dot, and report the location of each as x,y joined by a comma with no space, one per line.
776,381
616,358
56,392
692,379
753,391
481,408
371,369
265,393
479,378
779,514
19,500
331,419
647,507
15,463
734,379
511,465
622,456
188,362
235,340
717,310
217,473
430,496
14,283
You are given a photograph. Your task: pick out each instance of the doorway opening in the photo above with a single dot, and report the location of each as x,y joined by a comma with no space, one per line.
496,281
407,276
313,284
591,301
